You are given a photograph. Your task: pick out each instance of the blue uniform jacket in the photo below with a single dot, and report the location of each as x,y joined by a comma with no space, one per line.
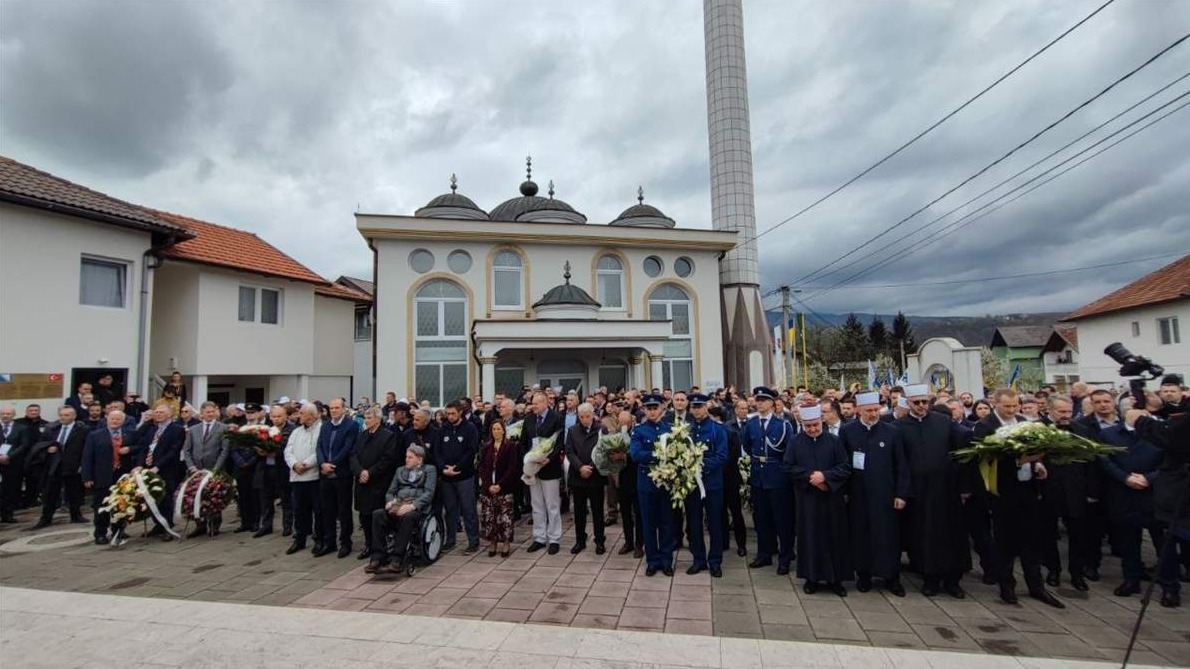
767,451
641,451
714,436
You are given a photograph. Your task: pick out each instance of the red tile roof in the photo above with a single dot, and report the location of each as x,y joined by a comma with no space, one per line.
1169,283
1069,333
362,285
22,184
343,292
234,249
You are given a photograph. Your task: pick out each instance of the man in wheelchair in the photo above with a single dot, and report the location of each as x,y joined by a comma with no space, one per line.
408,500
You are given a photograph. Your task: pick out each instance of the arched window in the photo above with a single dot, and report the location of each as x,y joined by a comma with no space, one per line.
670,303
440,342
508,281
609,282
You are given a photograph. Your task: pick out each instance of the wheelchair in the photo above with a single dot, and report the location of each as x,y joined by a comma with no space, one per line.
425,545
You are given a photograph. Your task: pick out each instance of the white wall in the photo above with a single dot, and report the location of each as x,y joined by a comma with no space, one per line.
326,388
334,336
1094,334
43,328
363,378
174,339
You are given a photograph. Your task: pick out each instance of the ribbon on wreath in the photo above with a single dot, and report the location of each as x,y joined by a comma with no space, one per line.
152,504
181,500
989,470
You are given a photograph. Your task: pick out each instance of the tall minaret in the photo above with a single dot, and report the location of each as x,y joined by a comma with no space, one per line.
746,343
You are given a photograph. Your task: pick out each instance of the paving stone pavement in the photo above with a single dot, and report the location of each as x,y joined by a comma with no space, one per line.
607,592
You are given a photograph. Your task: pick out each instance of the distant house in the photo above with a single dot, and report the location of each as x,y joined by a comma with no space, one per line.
1060,357
1145,316
1022,345
363,373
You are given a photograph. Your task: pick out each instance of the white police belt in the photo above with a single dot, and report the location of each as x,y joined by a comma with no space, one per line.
762,459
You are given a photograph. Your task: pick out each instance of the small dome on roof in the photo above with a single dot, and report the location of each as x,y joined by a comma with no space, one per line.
641,215
531,207
566,301
452,205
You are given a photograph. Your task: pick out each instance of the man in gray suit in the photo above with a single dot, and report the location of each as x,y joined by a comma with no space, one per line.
205,449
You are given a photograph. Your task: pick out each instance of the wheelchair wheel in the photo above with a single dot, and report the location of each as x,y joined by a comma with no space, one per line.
410,569
431,534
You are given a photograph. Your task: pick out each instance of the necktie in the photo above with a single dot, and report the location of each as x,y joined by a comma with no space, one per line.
7,429
206,431
764,425
64,434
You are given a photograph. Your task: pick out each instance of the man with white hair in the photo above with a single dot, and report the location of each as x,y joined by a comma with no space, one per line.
107,455
301,456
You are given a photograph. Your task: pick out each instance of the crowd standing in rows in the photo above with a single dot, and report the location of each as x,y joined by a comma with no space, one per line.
842,483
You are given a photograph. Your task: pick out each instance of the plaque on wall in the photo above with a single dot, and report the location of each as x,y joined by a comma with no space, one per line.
30,386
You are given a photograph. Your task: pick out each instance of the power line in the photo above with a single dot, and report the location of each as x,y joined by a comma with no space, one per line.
931,128
1002,158
965,220
1010,276
1031,166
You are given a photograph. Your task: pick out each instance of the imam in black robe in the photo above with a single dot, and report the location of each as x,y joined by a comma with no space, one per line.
874,523
822,539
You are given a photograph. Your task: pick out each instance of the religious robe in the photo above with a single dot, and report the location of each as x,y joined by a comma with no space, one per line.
938,537
879,474
822,537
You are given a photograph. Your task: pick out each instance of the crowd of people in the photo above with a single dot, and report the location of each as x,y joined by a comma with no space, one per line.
844,484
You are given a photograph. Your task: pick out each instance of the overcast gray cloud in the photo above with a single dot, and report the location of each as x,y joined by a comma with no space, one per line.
283,118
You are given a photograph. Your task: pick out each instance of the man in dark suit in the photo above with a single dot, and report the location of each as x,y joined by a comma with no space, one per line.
546,492
160,442
1072,493
79,402
243,469
271,479
205,449
32,462
108,454
64,462
336,441
15,440
373,462
1017,517
736,418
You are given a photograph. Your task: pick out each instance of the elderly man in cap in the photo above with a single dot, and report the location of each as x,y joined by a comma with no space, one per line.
767,437
655,509
878,490
708,510
938,487
818,466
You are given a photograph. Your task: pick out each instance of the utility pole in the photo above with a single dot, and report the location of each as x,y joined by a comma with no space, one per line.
790,357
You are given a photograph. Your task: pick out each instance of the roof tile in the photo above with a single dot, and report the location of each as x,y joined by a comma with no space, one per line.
1169,283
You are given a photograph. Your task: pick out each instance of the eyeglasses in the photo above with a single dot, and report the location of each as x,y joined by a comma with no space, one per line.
919,401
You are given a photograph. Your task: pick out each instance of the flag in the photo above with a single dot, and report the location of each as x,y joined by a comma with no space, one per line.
1016,375
892,378
904,380
792,334
872,383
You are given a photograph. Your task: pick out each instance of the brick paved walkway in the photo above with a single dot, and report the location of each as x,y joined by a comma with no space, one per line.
604,592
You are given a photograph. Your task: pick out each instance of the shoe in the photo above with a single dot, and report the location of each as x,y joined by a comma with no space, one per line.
470,550
1046,597
317,547
505,554
1079,583
600,549
119,538
1127,589
390,568
716,572
101,541
197,532
783,570
364,554
810,587
895,588
79,520
625,549
1091,574
1053,579
242,528
929,590
446,548
492,552
638,553
955,590
863,583
668,571
344,550
1007,595
650,571
578,548
693,569
838,589
39,524
1171,600
262,532
553,549
757,563
295,547
324,550
287,532
534,547
372,567
741,551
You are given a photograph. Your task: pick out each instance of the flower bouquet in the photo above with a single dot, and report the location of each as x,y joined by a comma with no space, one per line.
677,464
129,498
609,444
744,466
514,431
204,494
251,437
1058,446
536,458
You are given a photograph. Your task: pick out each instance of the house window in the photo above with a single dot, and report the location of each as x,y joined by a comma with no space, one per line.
421,261
103,283
683,267
1135,328
363,324
609,281
1168,329
440,342
653,266
269,300
671,303
507,281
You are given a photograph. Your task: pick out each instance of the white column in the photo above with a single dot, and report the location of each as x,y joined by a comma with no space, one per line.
303,388
488,372
198,389
636,371
655,360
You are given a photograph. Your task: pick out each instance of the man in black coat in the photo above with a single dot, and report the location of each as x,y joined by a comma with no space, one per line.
271,479
32,462
373,461
586,483
454,458
15,441
1018,521
733,503
64,462
109,453
546,492
1071,493
160,442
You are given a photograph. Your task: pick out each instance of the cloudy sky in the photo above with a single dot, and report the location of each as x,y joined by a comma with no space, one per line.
284,118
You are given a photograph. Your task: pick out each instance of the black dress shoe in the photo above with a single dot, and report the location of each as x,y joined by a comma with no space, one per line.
693,569
364,554
578,548
1127,589
810,587
534,547
955,590
288,531
553,549
625,549
668,571
446,548
1008,596
741,551
1046,597
492,551
79,520
929,590
600,549
716,572
1171,600
295,547
325,550
1079,583
638,552
264,531
863,583
39,524
895,588
649,571
1091,574
1053,579
344,550
759,562
242,528
783,570
102,541
838,589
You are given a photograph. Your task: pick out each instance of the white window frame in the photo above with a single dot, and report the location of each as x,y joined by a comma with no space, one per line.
121,265
601,272
258,304
519,271
441,335
1169,325
667,363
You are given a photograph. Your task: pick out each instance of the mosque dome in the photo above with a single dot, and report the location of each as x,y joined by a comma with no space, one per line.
532,207
566,301
452,205
641,215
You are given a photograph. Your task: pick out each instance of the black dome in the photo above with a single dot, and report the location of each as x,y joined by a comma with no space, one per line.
529,202
448,205
643,215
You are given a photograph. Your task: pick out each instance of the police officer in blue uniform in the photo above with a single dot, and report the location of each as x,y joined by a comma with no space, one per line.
766,437
706,430
656,513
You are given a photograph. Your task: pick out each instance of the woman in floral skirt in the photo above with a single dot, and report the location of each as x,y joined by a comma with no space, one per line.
499,470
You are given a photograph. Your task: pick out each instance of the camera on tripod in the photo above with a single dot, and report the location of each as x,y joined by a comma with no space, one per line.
1135,366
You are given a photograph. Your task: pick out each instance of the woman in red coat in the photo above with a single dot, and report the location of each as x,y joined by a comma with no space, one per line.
499,469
